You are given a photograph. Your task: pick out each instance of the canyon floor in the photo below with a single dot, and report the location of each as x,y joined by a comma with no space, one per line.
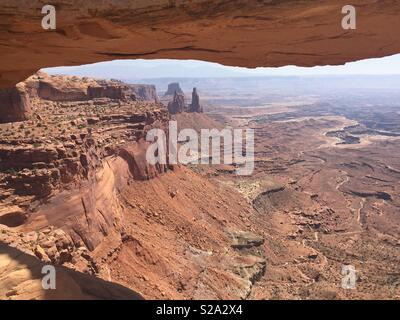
324,193
76,192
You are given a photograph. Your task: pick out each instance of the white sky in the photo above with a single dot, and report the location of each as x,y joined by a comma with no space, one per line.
192,68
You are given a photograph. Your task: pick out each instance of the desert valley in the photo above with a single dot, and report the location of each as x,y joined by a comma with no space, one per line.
76,191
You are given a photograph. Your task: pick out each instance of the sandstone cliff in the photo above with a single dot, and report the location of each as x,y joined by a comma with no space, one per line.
76,191
70,88
14,104
145,92
76,124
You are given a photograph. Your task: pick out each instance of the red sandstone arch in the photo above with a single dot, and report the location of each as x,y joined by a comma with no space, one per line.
237,32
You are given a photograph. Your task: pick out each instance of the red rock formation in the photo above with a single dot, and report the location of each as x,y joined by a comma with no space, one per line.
75,183
177,105
61,88
14,104
48,90
195,105
60,147
120,91
112,92
21,279
145,92
135,156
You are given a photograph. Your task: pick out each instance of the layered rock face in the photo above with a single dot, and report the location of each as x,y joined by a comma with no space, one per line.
195,105
48,90
172,88
70,88
119,91
76,190
14,104
56,181
145,92
111,92
177,105
75,124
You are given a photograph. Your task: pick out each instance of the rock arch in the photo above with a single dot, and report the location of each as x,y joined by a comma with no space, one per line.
246,33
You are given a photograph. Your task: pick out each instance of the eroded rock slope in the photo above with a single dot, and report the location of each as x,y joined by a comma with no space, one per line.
76,190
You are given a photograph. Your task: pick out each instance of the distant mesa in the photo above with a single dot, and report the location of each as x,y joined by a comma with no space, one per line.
15,102
172,88
59,88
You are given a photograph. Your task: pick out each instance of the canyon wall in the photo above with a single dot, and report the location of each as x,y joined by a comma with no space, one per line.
15,102
75,124
76,190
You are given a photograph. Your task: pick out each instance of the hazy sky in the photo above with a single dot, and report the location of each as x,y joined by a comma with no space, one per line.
160,68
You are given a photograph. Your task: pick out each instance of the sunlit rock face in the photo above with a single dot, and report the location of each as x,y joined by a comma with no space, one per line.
247,33
21,279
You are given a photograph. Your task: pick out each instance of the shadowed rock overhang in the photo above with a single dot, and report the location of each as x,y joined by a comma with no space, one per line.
245,33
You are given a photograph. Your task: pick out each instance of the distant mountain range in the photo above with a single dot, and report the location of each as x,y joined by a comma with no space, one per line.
212,77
